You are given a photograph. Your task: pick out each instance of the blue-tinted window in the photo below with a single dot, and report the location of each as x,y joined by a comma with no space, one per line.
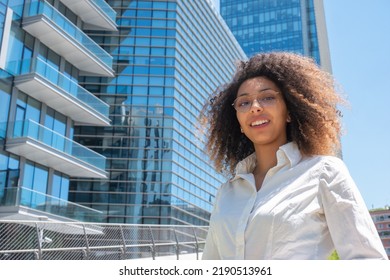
60,186
9,172
160,5
144,13
40,179
5,98
3,10
29,108
143,31
15,50
56,122
35,177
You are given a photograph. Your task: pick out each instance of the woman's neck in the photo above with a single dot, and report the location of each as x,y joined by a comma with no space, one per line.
266,158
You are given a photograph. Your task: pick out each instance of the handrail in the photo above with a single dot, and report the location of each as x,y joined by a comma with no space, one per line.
42,251
97,240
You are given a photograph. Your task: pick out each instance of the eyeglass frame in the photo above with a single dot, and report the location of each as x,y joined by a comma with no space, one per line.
258,100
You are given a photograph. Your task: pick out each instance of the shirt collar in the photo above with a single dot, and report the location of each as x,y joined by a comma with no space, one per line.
289,154
286,154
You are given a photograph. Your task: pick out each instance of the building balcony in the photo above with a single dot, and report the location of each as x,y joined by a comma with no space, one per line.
21,203
96,14
46,84
40,144
53,29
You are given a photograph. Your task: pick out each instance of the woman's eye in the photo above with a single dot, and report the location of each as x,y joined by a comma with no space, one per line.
268,98
244,103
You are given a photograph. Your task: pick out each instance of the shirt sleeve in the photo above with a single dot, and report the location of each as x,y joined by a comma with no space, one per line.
210,251
350,224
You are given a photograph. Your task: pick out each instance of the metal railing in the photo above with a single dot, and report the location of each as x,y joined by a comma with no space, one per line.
34,200
39,8
106,8
31,129
38,240
69,87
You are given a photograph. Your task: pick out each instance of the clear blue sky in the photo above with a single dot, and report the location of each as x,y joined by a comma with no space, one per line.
359,41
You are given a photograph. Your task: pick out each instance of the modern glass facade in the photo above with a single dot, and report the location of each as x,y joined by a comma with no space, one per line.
44,52
3,11
279,25
168,57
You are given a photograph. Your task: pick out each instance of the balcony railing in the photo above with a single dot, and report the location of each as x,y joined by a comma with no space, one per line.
36,10
68,87
96,14
65,147
55,140
37,7
21,196
107,9
4,74
3,130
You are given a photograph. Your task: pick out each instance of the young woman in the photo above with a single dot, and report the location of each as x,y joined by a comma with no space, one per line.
276,129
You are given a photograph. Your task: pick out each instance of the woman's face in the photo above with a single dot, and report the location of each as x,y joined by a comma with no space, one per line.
262,112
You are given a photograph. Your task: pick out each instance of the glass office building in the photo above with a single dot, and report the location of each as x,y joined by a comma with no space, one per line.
279,25
44,53
168,56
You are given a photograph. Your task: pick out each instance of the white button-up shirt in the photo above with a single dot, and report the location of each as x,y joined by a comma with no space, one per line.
306,208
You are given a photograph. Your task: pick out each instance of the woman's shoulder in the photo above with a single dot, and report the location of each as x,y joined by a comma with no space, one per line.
331,167
333,162
325,165
223,187
328,160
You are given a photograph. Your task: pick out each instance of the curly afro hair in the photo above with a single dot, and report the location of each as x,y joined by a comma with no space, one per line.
310,96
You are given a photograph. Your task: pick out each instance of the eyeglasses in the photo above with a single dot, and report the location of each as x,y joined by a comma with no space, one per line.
264,98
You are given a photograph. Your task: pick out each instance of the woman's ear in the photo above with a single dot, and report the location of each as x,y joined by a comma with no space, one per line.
288,118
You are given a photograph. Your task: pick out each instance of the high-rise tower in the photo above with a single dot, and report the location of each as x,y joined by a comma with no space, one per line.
279,25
